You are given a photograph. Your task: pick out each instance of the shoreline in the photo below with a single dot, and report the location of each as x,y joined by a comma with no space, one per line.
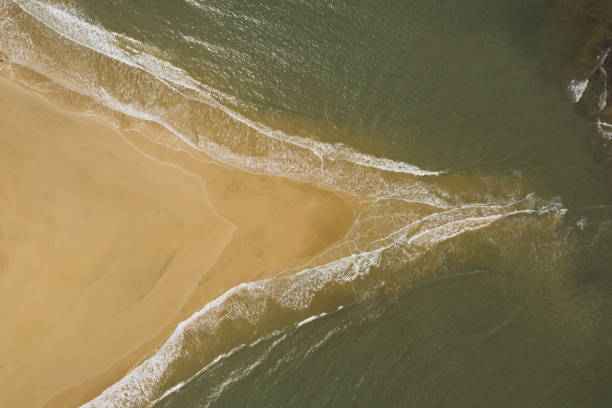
285,222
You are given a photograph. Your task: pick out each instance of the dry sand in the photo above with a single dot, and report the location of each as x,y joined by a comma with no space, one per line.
107,240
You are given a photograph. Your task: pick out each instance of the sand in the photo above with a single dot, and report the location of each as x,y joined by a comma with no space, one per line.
108,240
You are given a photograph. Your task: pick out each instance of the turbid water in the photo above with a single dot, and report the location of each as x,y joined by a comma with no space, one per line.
480,273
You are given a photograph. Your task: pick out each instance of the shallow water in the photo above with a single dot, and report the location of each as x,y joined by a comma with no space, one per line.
480,275
463,341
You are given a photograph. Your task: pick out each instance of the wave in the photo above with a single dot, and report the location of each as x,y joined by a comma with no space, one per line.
605,129
411,214
68,24
223,356
252,309
577,88
597,79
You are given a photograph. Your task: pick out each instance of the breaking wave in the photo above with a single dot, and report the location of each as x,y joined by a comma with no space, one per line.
249,310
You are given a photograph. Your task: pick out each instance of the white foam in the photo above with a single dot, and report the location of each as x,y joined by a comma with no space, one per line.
601,58
577,88
603,96
66,22
315,317
605,129
310,319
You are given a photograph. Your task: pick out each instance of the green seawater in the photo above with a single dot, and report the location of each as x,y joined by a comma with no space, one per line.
514,315
462,342
463,86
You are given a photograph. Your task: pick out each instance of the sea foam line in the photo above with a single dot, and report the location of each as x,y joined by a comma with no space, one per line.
294,292
577,87
68,24
223,356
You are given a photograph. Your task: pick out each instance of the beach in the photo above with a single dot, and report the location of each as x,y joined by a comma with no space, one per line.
108,240
220,203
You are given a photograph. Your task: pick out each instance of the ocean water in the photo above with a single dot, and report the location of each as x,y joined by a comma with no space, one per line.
480,275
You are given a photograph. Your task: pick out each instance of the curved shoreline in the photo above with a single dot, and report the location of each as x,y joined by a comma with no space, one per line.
195,269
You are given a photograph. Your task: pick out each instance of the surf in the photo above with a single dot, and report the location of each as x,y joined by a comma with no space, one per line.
409,213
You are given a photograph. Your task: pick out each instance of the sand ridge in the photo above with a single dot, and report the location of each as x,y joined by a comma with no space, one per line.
108,240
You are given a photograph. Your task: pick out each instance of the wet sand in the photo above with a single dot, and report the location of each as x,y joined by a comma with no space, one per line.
108,240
